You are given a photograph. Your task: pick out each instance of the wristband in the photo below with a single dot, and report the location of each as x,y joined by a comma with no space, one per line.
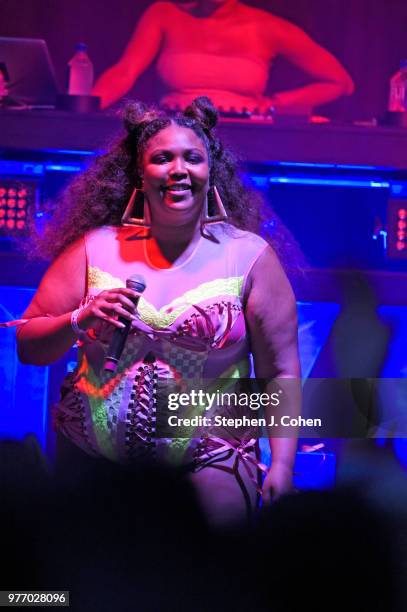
75,314
74,323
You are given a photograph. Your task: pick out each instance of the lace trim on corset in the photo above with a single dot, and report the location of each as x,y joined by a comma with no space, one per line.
168,314
99,279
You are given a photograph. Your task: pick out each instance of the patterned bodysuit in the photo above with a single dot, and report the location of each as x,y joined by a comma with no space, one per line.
191,325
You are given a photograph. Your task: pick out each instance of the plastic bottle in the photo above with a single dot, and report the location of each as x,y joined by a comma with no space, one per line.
398,90
80,72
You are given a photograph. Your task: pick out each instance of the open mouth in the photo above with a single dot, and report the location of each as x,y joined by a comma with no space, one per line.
178,187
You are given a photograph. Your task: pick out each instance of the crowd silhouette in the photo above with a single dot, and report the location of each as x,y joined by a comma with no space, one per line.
135,539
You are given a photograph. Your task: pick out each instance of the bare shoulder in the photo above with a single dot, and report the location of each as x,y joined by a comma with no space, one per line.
268,269
63,284
158,13
280,29
264,17
70,262
72,253
269,287
162,9
276,32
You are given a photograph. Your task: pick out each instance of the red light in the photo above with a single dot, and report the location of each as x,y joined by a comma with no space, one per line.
402,213
401,235
400,246
402,225
15,202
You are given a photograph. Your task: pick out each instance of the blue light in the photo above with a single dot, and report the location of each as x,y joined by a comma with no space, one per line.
71,152
304,164
383,234
395,319
354,167
260,181
8,168
400,450
62,168
24,387
332,165
295,180
399,189
315,321
37,169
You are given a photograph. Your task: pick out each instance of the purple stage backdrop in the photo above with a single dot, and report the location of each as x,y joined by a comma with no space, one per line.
367,36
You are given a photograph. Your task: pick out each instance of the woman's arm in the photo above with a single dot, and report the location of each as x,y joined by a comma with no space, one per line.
272,320
138,55
48,334
332,80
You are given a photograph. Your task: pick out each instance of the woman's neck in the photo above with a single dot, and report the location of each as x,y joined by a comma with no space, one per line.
173,244
209,8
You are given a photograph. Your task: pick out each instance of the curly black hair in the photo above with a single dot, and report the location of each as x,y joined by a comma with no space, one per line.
99,195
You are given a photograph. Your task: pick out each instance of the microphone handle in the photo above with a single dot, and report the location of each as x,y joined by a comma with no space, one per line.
117,342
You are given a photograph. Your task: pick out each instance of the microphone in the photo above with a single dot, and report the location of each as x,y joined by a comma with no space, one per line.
137,283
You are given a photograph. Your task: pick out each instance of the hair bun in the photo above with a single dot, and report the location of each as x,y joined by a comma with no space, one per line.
136,115
202,110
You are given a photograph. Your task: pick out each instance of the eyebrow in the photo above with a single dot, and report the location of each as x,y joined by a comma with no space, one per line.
163,149
191,150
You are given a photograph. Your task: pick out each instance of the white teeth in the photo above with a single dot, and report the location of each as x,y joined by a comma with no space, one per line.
178,188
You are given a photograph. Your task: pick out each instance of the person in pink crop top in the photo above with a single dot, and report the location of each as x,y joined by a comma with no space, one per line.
165,202
222,49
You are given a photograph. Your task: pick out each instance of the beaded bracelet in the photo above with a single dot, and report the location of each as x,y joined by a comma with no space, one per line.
75,314
74,323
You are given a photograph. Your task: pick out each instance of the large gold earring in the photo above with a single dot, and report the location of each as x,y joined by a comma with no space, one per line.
137,213
219,214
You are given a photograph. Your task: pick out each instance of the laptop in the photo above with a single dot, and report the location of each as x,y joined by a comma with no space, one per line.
28,73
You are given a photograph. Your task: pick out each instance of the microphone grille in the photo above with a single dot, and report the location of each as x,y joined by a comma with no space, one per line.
137,282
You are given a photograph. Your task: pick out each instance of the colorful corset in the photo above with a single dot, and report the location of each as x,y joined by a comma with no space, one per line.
191,325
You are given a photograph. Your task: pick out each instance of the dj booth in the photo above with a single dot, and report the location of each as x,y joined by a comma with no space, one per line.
257,140
338,188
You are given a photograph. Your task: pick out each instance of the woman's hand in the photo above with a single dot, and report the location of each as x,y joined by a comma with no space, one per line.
108,306
278,482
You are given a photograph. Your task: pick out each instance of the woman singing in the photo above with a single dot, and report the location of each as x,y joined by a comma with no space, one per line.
165,203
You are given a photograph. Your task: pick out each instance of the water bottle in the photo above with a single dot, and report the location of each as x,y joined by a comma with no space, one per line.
80,72
398,90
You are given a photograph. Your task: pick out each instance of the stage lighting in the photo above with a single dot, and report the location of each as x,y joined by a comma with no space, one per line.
17,201
397,229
